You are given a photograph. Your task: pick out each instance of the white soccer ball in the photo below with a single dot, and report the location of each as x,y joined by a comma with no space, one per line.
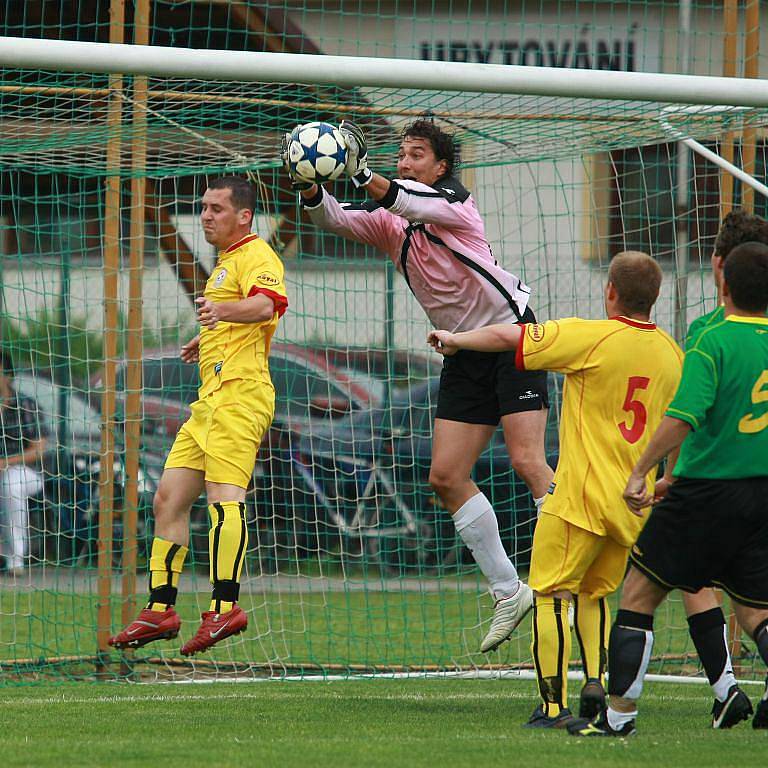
317,152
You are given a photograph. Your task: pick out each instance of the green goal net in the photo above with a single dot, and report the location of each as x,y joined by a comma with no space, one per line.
353,566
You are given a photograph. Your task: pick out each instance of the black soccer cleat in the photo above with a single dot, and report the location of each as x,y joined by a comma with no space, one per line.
600,727
760,720
539,720
592,699
735,708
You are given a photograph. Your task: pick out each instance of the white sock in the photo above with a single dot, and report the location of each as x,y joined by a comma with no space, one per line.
476,523
727,680
724,684
539,504
617,720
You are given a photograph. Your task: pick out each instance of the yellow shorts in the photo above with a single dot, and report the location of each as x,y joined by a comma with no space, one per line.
223,434
566,557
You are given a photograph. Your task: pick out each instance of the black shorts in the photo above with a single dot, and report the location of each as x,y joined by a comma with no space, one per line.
481,387
709,533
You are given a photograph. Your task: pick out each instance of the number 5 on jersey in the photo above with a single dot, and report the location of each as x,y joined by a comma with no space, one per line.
751,424
633,431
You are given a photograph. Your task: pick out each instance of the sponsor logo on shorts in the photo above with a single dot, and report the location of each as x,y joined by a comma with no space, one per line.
267,278
552,487
528,395
535,331
220,278
217,367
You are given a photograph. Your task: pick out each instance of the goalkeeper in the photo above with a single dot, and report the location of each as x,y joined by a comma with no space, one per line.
429,225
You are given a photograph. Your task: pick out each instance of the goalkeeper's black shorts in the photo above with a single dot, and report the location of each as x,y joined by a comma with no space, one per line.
481,387
709,533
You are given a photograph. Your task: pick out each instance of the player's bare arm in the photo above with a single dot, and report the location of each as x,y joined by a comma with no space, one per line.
667,438
493,338
254,309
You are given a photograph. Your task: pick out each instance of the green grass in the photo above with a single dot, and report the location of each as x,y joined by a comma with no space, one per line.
293,628
354,723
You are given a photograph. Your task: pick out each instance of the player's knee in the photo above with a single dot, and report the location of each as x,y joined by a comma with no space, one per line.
527,462
443,481
163,506
640,594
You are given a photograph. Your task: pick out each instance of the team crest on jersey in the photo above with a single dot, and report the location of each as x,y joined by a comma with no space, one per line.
535,331
220,278
267,278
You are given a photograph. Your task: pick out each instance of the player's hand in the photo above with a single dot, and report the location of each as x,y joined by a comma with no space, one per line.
442,342
357,154
207,313
660,489
636,496
190,352
298,182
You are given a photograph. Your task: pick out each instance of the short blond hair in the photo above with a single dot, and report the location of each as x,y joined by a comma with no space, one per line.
637,280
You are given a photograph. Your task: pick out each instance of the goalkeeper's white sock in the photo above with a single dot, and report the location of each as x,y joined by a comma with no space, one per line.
617,720
476,523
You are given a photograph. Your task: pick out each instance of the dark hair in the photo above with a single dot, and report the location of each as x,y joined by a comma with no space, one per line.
746,275
6,363
443,144
241,190
637,280
740,227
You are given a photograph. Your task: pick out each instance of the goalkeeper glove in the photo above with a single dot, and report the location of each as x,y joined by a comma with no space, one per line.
357,154
298,183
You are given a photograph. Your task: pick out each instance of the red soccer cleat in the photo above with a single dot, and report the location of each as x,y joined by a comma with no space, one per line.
149,626
215,627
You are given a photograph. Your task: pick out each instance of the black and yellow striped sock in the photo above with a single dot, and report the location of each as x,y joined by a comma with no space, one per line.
228,539
165,564
551,652
592,622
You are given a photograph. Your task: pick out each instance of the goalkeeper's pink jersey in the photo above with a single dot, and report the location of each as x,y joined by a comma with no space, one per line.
436,239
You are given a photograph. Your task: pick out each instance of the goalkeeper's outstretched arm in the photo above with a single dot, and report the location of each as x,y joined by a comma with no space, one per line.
493,338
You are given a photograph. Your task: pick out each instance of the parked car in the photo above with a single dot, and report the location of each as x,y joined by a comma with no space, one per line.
309,391
396,443
64,516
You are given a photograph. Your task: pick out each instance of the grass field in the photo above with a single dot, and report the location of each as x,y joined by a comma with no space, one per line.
385,628
377,722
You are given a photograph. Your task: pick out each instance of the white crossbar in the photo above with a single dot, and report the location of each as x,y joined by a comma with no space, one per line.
350,71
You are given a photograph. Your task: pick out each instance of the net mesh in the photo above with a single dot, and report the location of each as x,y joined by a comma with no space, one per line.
353,566
191,127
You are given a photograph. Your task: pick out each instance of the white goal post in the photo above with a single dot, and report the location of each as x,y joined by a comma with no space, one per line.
351,71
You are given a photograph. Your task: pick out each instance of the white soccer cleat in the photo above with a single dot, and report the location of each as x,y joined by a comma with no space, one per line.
508,612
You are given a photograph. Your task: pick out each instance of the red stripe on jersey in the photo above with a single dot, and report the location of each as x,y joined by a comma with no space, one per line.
519,359
239,243
647,326
280,302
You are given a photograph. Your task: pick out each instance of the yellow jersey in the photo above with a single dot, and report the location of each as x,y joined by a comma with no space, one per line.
620,376
240,350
